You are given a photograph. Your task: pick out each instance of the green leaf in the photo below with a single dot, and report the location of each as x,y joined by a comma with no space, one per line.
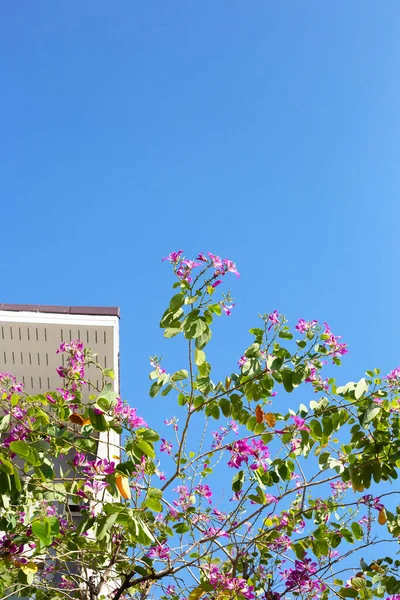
316,428
154,389
203,339
179,375
176,302
6,466
361,388
181,527
105,525
153,504
146,448
357,530
143,533
41,529
225,406
237,481
171,332
370,414
148,434
26,452
98,420
196,594
199,357
287,379
348,592
4,422
107,397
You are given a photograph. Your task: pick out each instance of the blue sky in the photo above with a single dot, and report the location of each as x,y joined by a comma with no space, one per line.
264,132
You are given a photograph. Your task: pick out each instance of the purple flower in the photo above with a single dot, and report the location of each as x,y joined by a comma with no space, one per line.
202,257
100,466
242,361
173,257
214,285
170,590
227,308
216,263
273,318
303,326
79,460
123,412
160,552
172,421
204,491
300,423
230,267
166,446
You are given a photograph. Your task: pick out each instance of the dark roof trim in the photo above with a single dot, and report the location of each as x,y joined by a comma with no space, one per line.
110,311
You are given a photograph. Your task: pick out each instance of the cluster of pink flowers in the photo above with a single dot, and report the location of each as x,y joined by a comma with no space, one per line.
274,319
339,487
241,451
74,370
20,423
185,499
95,471
10,384
160,552
223,581
336,348
313,377
283,543
100,466
123,412
304,326
299,580
393,378
219,436
372,502
184,266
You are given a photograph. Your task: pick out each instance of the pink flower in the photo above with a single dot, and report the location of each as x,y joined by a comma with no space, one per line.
300,423
230,267
204,491
215,532
242,361
160,552
214,285
100,466
336,348
173,257
172,421
170,590
304,326
79,460
123,412
202,257
216,262
166,446
227,308
273,318
185,268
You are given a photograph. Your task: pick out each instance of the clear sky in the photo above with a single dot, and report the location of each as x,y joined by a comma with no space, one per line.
267,132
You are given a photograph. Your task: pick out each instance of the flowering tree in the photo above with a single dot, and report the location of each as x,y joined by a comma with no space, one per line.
266,505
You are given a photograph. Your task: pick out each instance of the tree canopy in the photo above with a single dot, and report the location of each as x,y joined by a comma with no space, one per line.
253,503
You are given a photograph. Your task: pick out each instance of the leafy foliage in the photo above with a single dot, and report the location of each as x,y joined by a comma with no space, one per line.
309,491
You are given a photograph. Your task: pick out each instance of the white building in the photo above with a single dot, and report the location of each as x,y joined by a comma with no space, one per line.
30,336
